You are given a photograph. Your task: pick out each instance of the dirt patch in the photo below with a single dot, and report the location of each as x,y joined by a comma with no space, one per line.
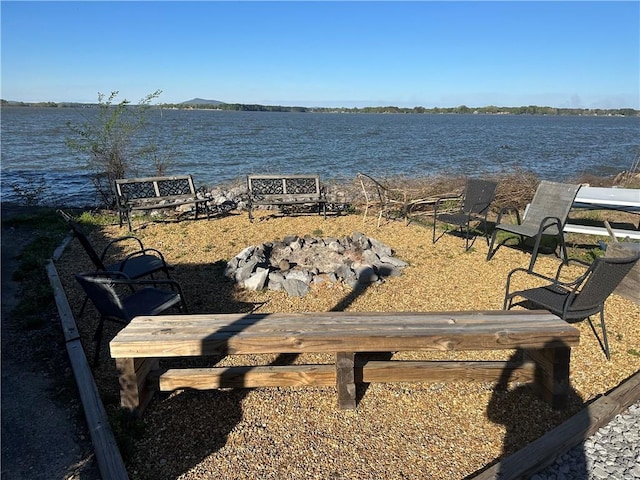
43,431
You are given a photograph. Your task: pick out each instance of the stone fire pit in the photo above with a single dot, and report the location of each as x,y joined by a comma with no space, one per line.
295,263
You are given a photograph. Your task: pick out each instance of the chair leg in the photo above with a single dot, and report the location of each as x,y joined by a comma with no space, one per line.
564,255
493,239
433,238
97,337
84,305
486,231
466,245
604,343
534,253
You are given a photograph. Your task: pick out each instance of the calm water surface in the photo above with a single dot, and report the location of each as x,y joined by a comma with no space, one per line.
217,147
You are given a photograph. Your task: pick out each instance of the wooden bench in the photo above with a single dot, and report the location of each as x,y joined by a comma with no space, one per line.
285,190
546,339
152,193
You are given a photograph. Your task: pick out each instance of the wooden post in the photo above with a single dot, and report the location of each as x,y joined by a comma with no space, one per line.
345,380
552,374
135,390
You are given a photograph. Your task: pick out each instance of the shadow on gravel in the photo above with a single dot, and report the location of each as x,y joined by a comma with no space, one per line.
515,409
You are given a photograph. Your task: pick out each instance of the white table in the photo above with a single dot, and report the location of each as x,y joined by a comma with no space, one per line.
601,198
623,199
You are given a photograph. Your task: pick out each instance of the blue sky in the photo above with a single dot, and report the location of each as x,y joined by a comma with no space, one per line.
431,54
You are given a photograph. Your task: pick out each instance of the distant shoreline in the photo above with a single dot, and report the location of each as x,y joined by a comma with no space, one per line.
458,110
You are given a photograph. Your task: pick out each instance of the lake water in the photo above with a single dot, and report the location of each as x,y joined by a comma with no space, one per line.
217,147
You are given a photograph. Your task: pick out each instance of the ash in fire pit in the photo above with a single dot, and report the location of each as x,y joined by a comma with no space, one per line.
294,263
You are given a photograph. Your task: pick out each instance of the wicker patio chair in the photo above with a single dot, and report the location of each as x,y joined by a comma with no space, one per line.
474,203
580,298
546,215
145,297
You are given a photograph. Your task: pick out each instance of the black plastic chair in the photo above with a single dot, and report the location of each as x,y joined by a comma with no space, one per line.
546,215
144,297
578,299
474,204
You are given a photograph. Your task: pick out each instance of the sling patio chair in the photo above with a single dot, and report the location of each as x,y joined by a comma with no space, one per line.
144,297
546,215
143,262
473,206
578,299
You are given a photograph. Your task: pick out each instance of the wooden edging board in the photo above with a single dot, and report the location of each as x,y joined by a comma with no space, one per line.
105,447
546,449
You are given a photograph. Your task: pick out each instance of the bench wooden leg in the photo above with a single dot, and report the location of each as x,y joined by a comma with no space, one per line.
552,374
135,391
345,380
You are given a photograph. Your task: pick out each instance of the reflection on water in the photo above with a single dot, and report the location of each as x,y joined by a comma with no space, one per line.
219,146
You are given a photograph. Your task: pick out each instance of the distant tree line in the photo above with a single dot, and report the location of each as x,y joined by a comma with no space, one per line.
462,109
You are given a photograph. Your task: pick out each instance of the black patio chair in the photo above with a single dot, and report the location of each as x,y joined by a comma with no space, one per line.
580,298
473,206
546,215
143,297
143,262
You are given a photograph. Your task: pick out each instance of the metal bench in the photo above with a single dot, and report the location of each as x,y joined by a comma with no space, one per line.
153,193
137,349
285,190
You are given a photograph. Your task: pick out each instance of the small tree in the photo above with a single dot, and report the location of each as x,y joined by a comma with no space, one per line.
108,141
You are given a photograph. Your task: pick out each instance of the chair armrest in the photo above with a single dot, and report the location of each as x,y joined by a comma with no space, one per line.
174,285
508,209
118,240
528,272
571,285
147,251
581,263
548,222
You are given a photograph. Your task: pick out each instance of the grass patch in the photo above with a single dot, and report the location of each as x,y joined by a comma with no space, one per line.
36,297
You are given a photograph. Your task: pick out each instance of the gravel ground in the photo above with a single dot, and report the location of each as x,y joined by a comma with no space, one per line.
422,430
613,452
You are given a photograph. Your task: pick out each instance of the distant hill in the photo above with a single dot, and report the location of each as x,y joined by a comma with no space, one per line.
202,101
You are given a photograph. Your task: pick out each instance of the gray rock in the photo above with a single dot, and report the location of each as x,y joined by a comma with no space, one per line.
295,288
257,280
365,274
275,281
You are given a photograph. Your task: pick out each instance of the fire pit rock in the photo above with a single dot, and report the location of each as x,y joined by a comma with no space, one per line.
295,263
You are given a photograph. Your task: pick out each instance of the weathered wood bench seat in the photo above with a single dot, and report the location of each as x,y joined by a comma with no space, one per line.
546,339
152,193
285,190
